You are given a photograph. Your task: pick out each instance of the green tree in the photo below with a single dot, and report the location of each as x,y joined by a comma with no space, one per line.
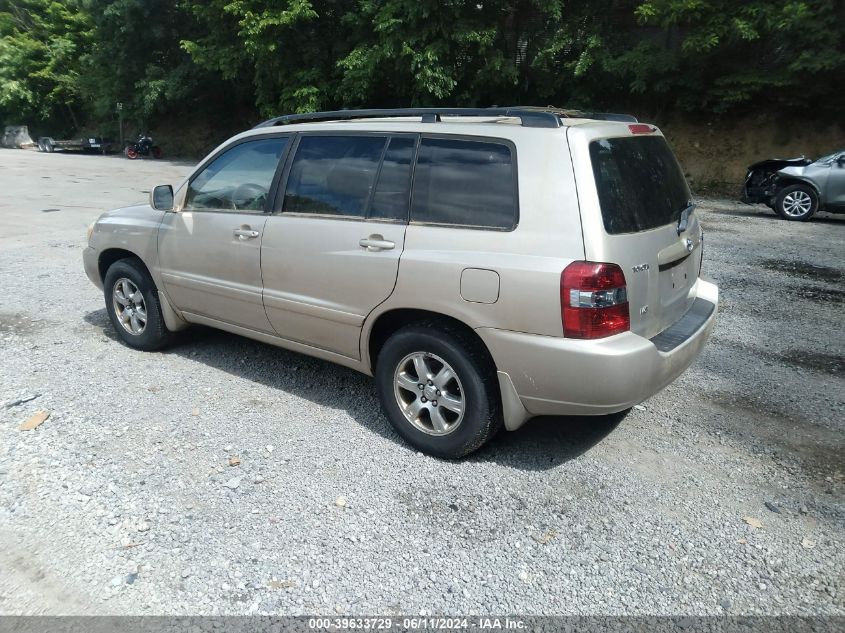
136,59
71,62
41,45
303,55
720,55
288,52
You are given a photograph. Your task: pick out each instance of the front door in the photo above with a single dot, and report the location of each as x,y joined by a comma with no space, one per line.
210,248
330,252
834,195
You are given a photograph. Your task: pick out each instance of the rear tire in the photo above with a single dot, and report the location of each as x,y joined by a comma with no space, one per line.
796,203
157,152
470,386
133,306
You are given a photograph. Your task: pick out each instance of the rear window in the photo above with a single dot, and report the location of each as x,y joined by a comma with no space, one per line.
639,182
464,183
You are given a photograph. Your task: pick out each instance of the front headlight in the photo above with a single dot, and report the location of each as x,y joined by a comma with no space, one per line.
90,231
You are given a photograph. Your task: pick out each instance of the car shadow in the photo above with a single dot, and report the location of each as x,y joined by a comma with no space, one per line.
100,319
540,444
548,441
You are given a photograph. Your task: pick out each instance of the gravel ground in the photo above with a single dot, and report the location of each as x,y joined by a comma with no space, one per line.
124,500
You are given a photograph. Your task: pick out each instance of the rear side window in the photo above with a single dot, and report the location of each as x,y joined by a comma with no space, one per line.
466,183
333,175
390,199
639,182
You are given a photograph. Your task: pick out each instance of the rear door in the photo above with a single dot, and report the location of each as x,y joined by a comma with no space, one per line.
636,211
331,249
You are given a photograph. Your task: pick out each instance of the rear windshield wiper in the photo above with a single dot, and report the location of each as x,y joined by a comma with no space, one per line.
684,219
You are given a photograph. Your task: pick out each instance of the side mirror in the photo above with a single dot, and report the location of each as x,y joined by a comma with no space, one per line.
841,160
161,198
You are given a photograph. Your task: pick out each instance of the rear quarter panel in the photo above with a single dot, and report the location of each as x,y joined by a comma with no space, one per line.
528,259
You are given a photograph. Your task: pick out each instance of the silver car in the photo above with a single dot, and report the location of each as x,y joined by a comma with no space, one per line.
485,266
795,188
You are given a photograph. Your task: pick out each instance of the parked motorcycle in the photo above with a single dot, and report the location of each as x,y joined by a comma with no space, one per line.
144,146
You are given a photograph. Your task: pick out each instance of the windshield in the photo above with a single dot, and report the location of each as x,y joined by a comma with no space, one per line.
830,157
639,182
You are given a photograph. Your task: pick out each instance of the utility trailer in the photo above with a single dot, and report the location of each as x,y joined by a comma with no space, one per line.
92,144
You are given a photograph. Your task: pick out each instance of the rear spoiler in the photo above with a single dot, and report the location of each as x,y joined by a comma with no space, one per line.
611,116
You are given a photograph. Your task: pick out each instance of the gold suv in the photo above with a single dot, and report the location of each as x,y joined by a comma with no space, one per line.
485,265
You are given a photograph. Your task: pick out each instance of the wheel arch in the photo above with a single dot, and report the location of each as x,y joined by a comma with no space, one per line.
111,255
172,318
379,329
788,181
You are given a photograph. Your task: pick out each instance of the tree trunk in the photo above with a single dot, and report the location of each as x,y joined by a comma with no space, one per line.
72,117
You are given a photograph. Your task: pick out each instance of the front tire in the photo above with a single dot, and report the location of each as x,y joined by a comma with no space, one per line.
438,388
133,306
796,203
131,153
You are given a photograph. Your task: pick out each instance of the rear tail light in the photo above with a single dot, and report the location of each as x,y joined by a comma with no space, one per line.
641,128
593,300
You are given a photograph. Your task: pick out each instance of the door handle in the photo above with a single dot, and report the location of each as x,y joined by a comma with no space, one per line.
376,242
245,233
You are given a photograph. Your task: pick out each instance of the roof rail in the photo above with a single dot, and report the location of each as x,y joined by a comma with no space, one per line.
581,114
529,116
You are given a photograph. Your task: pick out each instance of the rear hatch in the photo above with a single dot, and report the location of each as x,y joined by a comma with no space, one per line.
637,212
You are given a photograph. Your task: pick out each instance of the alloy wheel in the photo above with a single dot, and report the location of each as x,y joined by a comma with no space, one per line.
129,306
429,393
797,203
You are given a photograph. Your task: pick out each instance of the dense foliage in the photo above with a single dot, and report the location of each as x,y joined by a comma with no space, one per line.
66,64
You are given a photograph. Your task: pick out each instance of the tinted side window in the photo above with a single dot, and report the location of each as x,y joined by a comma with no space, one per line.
239,179
390,200
462,182
333,175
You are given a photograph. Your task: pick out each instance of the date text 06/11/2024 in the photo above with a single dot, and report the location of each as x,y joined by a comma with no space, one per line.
416,623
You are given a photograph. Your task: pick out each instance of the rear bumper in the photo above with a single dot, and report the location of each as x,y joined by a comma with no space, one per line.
558,376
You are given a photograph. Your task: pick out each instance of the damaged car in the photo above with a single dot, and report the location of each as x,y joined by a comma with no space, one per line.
795,188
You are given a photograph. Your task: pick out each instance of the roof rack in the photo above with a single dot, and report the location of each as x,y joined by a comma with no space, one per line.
529,116
580,114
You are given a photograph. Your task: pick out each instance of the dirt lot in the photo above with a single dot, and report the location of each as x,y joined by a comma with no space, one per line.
124,501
